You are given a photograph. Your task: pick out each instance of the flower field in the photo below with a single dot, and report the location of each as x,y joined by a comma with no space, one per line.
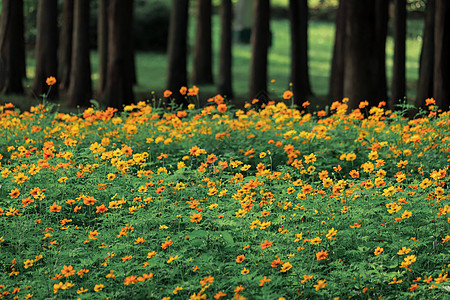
267,202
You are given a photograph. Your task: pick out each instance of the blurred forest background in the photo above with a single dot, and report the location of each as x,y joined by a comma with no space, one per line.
119,52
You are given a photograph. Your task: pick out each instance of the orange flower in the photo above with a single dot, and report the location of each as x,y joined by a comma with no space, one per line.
264,280
55,208
14,193
167,93
266,244
51,80
356,225
67,271
206,280
276,262
305,104
222,108
183,90
166,244
287,95
193,91
378,250
130,280
89,200
101,209
219,295
429,101
240,258
139,240
321,255
196,218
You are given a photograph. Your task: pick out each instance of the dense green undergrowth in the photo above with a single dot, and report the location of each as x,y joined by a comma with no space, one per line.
259,203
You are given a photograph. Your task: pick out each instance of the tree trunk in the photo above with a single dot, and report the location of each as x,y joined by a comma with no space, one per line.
337,65
441,89
426,68
364,72
298,14
398,74
102,45
80,90
177,49
12,45
119,82
65,46
46,46
224,80
202,71
260,46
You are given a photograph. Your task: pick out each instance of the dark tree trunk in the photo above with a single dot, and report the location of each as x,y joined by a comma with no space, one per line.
441,88
119,82
298,15
364,72
426,68
80,89
202,71
102,45
177,49
224,80
65,46
46,46
398,74
260,46
381,29
337,65
12,45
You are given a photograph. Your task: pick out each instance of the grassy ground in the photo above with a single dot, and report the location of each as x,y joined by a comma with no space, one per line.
152,67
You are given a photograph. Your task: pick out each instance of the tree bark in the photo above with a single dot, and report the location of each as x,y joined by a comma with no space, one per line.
80,89
119,82
441,88
337,65
399,72
260,46
177,49
364,72
426,68
224,80
65,46
102,45
12,47
46,46
202,71
298,15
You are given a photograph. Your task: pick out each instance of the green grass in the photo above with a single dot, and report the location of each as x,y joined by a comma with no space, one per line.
152,67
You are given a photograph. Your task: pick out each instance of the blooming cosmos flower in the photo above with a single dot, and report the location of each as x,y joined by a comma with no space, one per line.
378,250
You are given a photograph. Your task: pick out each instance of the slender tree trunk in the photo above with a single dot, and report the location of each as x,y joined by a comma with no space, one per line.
80,90
119,83
426,68
298,14
380,92
102,44
441,89
224,80
364,72
65,46
337,65
12,47
399,72
46,46
177,49
260,46
202,71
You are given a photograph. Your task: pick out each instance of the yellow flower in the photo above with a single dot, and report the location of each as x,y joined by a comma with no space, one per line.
378,250
28,263
245,271
98,287
286,267
171,259
403,251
